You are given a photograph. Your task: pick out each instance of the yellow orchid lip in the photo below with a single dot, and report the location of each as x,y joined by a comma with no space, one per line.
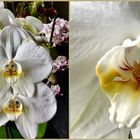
13,107
12,69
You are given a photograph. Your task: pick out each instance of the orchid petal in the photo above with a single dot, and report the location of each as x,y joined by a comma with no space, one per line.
35,61
8,41
95,110
3,57
44,103
4,86
128,103
35,22
136,132
25,86
26,128
30,28
1,4
4,17
3,118
5,98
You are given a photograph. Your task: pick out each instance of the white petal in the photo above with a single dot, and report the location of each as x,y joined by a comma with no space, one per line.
11,38
93,119
25,86
132,51
91,36
5,97
136,132
4,19
4,86
43,106
127,102
128,43
27,129
1,4
35,22
3,56
35,61
3,118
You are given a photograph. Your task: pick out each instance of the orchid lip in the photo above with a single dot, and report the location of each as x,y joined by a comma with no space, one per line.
13,108
135,69
12,70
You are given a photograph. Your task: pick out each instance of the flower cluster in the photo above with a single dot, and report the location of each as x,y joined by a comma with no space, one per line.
61,31
56,89
60,64
24,98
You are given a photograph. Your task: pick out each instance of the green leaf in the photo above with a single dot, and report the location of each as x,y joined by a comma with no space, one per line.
14,133
9,132
41,130
3,132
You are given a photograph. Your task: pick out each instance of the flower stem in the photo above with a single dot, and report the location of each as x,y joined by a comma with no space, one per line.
53,30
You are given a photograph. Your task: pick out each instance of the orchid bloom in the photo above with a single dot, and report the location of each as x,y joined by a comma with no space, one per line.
119,75
56,89
61,31
60,64
28,112
96,27
23,63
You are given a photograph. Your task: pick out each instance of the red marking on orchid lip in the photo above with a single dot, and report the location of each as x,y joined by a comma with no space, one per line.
126,69
127,66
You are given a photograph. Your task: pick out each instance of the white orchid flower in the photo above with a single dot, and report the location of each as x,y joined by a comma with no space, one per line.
28,112
119,74
23,63
96,27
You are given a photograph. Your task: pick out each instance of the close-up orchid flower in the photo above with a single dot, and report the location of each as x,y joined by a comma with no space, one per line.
28,112
118,72
30,102
104,79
